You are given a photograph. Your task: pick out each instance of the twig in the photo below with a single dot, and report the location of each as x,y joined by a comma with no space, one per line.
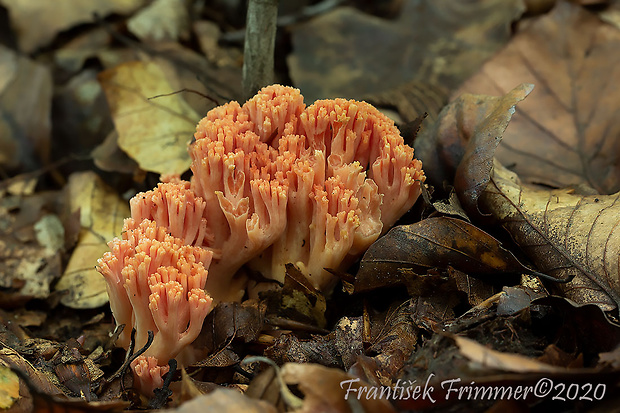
308,12
260,38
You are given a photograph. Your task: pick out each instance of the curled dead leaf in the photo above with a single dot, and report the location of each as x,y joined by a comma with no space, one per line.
472,174
470,127
484,358
31,243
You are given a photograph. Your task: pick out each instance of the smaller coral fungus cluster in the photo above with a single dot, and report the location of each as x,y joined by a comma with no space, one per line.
274,182
156,283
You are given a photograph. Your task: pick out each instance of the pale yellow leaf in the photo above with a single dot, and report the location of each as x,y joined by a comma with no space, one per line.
154,132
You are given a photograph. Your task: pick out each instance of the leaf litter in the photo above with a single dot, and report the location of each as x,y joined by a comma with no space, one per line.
506,282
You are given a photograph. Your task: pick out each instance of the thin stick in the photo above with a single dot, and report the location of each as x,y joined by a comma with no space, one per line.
258,50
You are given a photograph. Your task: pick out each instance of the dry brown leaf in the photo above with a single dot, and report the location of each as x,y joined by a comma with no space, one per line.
208,34
568,236
109,157
81,115
472,174
477,290
325,390
337,349
153,132
25,110
412,99
101,217
38,22
566,132
299,300
515,299
40,381
393,337
72,55
242,321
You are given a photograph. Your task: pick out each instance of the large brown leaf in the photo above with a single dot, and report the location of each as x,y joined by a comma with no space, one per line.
566,132
571,237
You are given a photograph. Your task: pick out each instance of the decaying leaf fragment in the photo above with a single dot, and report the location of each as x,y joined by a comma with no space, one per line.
101,218
154,132
32,239
472,174
570,237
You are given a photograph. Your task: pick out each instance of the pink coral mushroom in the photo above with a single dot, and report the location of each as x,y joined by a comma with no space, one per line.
274,182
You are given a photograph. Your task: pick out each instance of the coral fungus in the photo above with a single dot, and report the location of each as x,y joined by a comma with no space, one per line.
274,182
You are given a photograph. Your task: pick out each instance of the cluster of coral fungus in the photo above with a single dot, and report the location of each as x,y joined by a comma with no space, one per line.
274,182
